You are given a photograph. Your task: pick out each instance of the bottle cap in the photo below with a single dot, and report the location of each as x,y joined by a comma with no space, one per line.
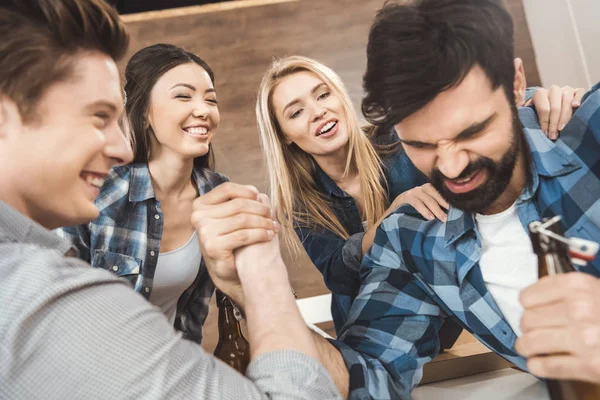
581,251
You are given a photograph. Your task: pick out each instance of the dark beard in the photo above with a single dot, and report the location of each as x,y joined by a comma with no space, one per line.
498,176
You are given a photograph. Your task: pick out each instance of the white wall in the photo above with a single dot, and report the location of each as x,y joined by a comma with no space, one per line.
565,36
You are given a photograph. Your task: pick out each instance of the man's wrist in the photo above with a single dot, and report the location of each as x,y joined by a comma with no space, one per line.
260,284
274,261
262,270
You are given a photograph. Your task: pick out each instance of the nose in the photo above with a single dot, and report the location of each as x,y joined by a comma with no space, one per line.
451,160
201,110
117,146
319,112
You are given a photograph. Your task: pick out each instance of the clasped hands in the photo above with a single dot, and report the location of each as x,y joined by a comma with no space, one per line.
236,231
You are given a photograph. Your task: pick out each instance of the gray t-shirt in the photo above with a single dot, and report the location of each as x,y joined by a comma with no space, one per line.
69,331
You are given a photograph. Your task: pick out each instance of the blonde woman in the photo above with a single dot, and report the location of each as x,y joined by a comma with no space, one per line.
329,181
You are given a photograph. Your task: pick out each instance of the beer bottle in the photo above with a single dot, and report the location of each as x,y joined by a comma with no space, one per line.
232,348
553,258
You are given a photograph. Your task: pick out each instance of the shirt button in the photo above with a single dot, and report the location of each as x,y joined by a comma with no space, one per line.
146,289
115,268
152,253
156,216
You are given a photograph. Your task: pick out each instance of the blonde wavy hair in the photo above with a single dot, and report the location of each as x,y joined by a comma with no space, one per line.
294,193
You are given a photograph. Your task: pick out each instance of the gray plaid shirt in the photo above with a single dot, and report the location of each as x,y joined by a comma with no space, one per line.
68,331
125,239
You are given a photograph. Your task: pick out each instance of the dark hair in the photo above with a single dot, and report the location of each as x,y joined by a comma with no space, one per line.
143,70
40,41
420,49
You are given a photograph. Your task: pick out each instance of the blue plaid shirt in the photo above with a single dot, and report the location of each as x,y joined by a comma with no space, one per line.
339,259
419,272
125,239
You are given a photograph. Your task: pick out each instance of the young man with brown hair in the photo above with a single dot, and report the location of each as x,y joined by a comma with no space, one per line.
60,102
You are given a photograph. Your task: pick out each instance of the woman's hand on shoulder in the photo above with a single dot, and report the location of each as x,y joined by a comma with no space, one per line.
425,199
554,107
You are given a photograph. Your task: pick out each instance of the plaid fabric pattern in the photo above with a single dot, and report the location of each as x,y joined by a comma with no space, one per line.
125,239
419,272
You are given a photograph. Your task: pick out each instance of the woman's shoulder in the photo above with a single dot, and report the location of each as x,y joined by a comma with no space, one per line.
207,179
217,177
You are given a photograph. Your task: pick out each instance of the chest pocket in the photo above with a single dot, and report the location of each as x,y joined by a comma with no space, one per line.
119,264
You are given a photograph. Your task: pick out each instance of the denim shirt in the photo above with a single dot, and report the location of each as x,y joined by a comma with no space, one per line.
125,239
338,259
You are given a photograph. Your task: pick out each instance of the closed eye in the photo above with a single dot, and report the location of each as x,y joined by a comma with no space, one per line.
183,96
296,114
323,96
419,145
101,119
102,115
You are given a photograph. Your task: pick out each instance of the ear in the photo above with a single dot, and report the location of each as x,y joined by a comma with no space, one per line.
147,120
520,83
10,117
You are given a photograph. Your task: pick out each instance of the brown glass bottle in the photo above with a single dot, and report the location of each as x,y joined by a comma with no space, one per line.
232,348
553,258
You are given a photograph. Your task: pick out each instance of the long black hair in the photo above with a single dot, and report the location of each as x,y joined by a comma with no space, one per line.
141,74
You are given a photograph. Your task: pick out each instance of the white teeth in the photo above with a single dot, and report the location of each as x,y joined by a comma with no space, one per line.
197,130
327,127
94,180
466,179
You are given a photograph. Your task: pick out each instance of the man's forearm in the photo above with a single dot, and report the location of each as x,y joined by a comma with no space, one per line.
274,321
334,363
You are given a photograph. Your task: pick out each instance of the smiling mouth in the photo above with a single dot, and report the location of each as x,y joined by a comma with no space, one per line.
196,131
327,128
93,179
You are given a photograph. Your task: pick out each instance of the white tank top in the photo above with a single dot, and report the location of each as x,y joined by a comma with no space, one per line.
175,271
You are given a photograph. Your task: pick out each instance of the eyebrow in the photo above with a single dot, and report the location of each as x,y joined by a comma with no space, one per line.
296,101
105,103
192,87
467,133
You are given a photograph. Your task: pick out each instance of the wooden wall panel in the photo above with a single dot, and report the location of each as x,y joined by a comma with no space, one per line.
240,39
523,43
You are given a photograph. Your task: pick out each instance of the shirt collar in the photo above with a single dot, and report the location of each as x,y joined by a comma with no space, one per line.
140,187
327,184
16,227
546,158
